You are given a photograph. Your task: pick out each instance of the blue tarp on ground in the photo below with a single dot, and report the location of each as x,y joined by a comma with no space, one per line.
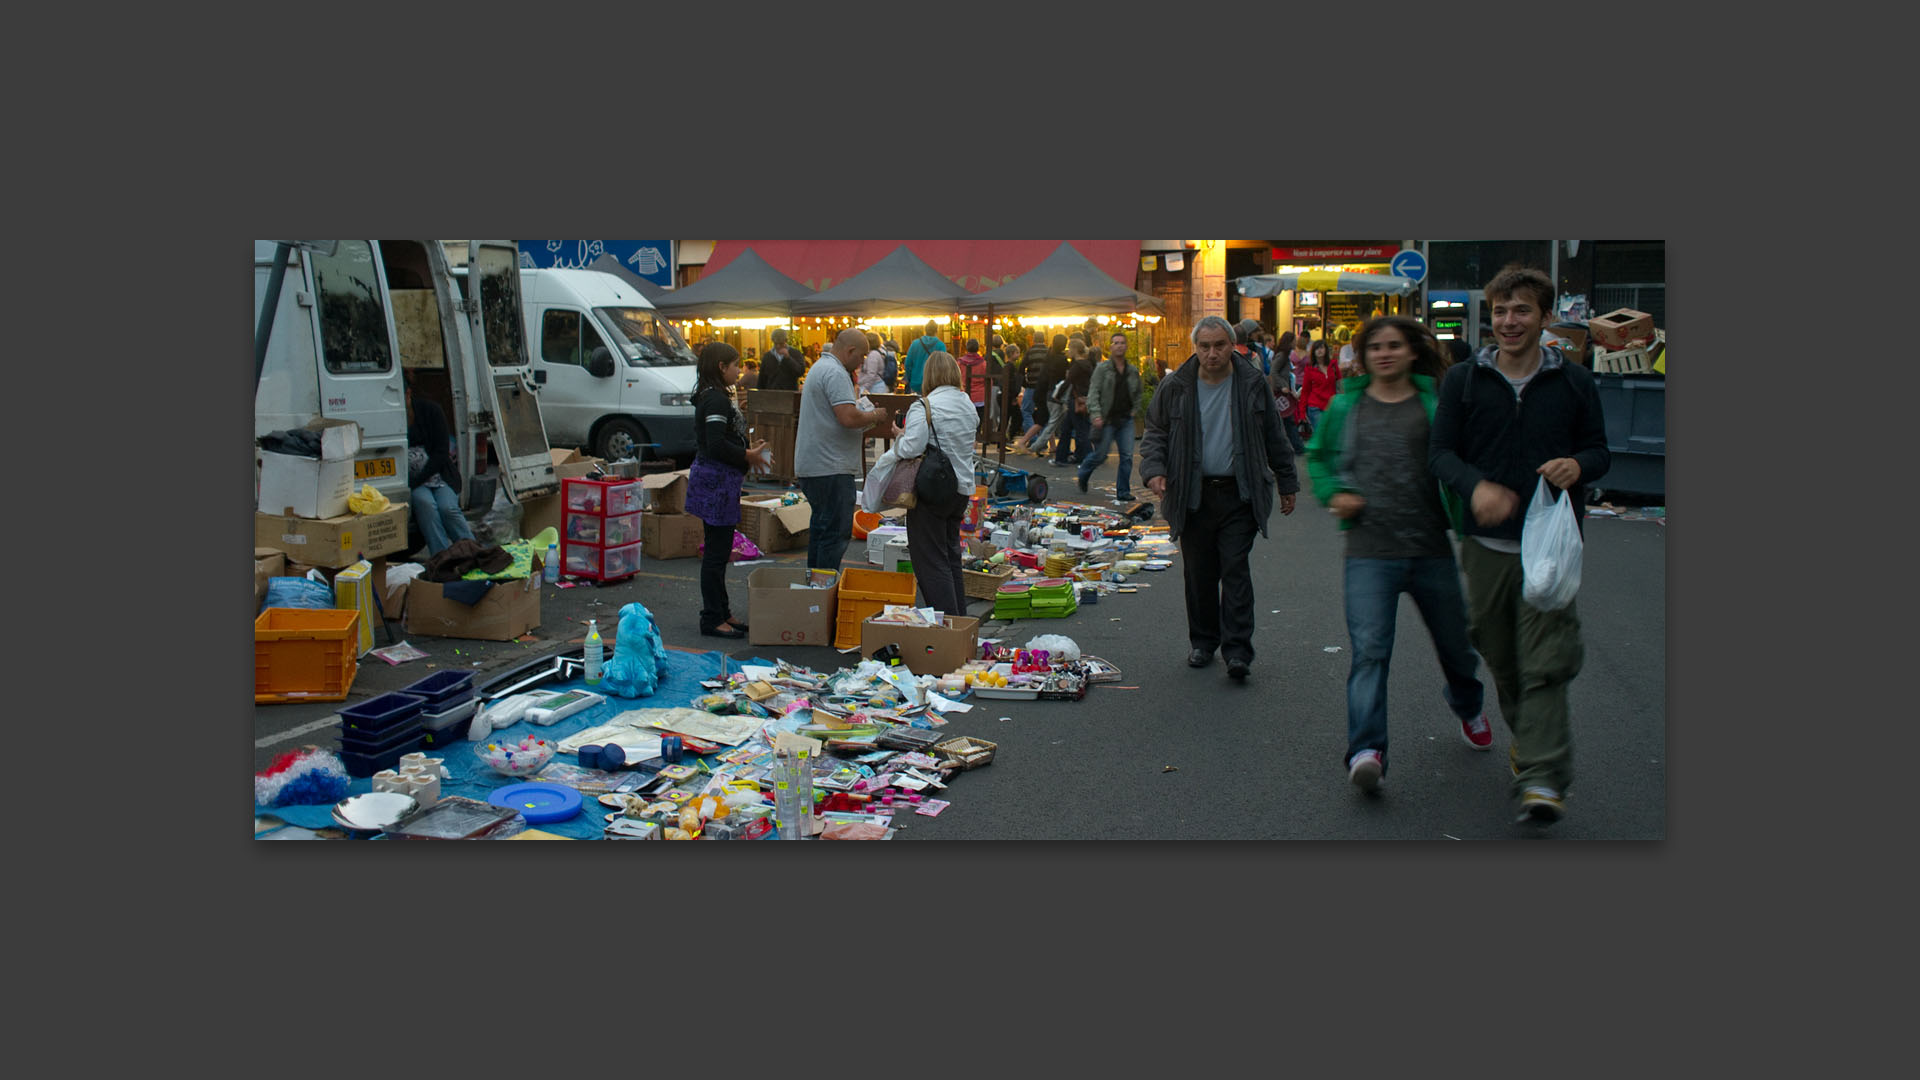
473,780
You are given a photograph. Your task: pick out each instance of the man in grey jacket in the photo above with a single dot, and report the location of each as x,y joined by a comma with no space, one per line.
1113,396
1212,438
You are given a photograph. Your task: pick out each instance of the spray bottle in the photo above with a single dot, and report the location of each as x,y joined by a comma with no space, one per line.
595,652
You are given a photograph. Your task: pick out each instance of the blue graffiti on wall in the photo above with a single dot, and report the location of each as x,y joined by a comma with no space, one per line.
651,259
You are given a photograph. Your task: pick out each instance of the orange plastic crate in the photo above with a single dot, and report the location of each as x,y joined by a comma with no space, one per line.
890,586
304,654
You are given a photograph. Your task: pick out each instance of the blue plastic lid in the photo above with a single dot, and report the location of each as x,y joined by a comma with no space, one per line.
538,802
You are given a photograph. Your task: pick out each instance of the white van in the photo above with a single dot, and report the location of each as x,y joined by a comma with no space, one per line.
614,377
351,315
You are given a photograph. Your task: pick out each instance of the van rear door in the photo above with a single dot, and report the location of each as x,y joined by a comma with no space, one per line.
499,335
359,369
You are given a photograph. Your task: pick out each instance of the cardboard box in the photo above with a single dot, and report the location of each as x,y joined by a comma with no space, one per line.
667,491
353,589
1621,328
302,486
509,609
670,536
779,614
773,527
267,563
926,650
545,512
335,541
1575,343
573,463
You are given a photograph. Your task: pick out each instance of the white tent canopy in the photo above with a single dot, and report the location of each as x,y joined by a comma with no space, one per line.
1325,281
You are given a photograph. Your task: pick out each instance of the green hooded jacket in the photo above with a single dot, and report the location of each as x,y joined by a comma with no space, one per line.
1331,448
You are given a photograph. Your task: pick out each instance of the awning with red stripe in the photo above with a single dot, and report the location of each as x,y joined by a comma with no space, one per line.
975,265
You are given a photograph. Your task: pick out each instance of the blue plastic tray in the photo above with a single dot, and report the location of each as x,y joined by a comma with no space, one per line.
538,802
442,690
381,713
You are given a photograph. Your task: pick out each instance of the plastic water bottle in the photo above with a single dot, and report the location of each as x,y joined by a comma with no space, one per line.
596,652
786,794
552,573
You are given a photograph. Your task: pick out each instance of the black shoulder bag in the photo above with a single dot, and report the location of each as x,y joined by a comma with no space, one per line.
936,485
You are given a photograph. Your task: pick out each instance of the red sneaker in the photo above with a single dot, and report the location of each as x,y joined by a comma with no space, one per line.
1477,732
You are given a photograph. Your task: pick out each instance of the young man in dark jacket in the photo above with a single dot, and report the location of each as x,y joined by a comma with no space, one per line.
1515,413
1214,455
1113,396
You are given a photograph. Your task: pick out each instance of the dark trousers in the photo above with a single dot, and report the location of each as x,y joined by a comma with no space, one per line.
1214,545
1076,438
933,539
714,608
830,529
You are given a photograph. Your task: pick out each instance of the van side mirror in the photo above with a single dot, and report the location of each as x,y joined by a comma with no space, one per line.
599,362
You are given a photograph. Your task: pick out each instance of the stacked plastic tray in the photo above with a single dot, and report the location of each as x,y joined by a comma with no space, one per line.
1052,598
447,703
1014,600
378,732
600,528
863,594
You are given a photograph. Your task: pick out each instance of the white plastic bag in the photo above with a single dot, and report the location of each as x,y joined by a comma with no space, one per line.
1550,549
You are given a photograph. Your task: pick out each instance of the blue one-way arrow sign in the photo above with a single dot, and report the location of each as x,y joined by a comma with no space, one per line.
1409,264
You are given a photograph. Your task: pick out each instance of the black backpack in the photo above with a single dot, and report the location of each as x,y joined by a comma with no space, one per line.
890,371
935,485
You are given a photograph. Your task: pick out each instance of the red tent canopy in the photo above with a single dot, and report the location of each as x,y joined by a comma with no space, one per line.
974,265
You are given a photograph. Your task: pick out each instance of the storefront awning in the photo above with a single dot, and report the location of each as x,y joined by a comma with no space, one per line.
974,265
1325,281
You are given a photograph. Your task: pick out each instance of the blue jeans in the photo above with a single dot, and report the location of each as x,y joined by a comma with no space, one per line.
1110,433
1026,409
441,522
830,529
1373,588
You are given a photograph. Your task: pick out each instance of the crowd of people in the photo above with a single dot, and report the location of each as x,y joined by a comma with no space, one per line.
1404,442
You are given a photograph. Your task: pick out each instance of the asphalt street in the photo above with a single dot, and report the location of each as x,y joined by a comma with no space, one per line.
1172,752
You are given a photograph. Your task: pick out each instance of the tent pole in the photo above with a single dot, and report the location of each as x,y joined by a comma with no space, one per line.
1005,420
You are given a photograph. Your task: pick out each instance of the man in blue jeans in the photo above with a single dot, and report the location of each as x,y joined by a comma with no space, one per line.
826,447
1113,395
1368,461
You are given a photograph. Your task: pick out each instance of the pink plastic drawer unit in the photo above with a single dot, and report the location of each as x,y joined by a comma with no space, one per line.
600,536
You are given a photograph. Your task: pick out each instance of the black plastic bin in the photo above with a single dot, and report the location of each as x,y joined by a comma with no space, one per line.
1635,410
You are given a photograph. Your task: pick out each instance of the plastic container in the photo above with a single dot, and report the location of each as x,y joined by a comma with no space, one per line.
445,728
584,528
379,742
595,652
621,530
441,689
550,568
361,766
381,713
304,654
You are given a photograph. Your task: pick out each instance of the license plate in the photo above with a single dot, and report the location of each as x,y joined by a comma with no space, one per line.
367,470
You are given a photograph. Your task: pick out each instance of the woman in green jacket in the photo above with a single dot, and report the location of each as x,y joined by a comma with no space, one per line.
1368,463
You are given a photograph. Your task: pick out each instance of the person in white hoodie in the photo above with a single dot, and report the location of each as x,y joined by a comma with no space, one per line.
933,532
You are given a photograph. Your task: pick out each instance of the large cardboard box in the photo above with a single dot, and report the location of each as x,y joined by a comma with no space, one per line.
773,527
1620,328
667,492
509,609
925,650
267,563
670,536
303,486
335,541
780,614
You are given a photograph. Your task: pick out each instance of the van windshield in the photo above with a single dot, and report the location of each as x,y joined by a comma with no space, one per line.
648,339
